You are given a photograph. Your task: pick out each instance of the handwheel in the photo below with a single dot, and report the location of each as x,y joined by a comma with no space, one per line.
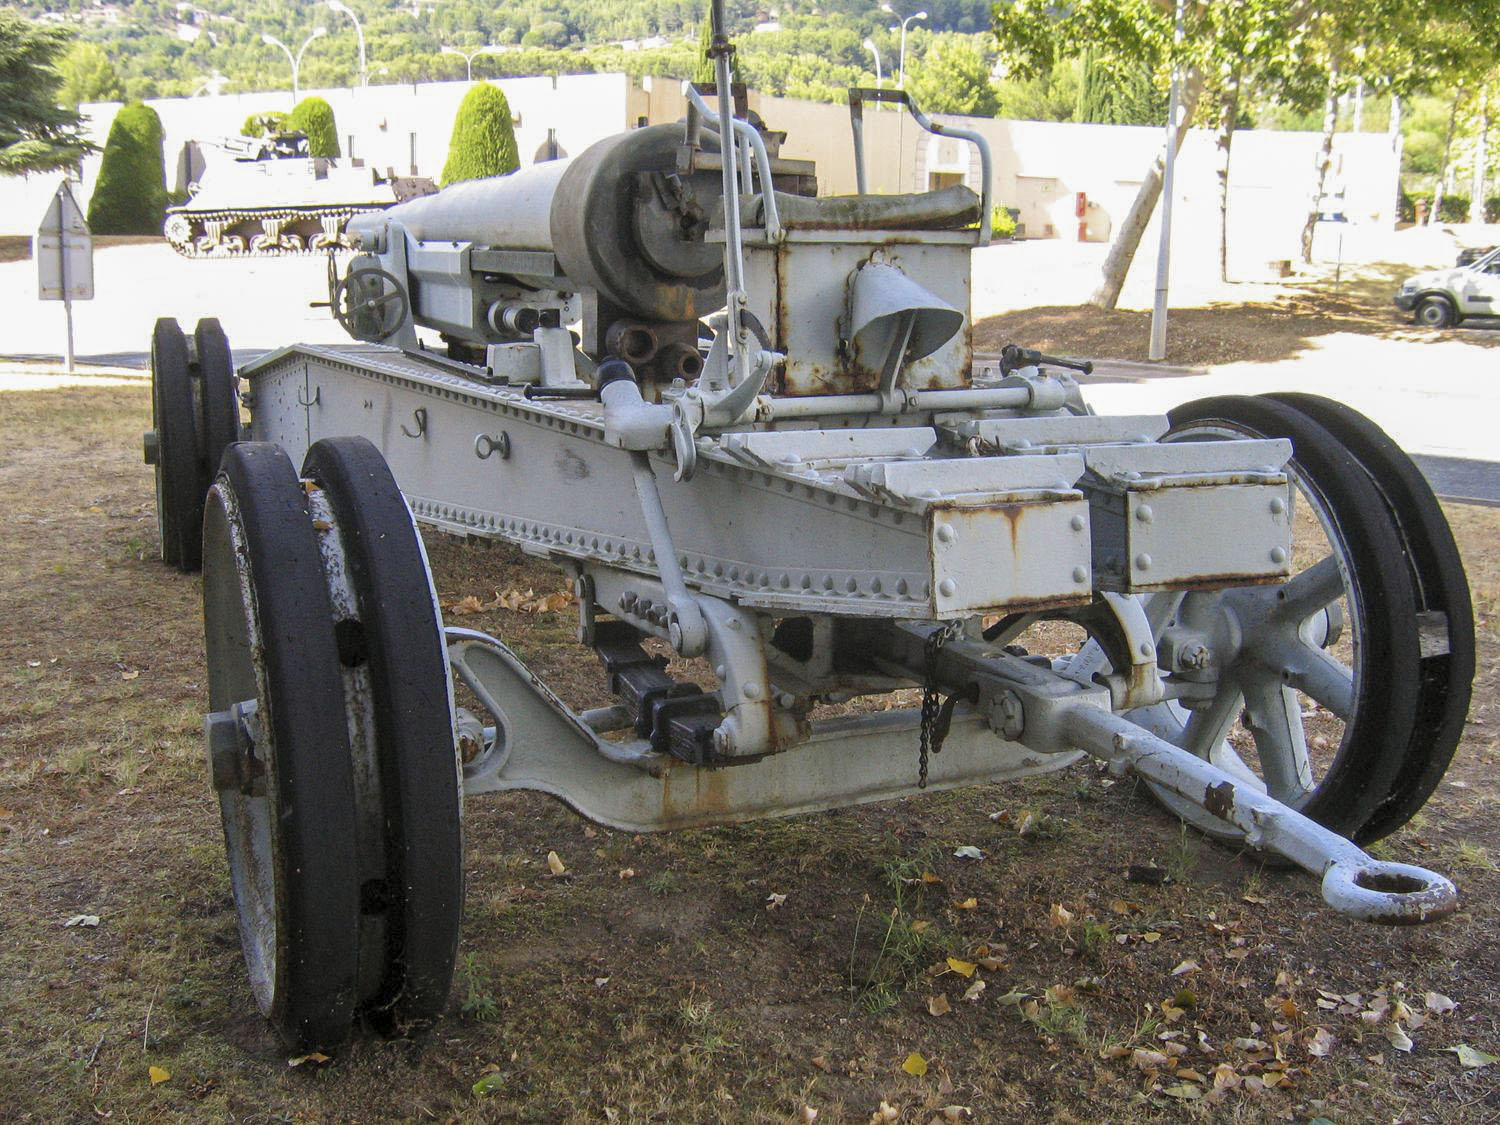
172,447
1326,719
219,400
1442,591
370,304
398,637
279,747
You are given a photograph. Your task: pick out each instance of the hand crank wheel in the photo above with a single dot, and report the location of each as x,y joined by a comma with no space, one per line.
173,448
279,747
398,635
1329,719
1442,590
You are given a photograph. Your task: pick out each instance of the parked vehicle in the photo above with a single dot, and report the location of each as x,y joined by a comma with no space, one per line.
1445,297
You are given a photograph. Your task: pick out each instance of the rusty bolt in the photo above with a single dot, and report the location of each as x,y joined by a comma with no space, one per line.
1194,657
1008,717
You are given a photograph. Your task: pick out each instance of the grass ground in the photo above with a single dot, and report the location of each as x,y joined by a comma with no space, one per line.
680,991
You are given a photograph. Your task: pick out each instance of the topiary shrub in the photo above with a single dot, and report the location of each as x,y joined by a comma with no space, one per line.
484,138
1003,222
130,196
314,117
265,123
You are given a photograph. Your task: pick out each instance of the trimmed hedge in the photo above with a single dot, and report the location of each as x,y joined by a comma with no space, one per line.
484,138
264,123
130,196
1455,208
314,117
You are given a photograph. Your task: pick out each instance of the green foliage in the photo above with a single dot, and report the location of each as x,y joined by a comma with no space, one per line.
1003,223
1110,95
484,138
36,133
263,123
706,71
1454,208
954,77
89,76
1052,96
131,193
314,117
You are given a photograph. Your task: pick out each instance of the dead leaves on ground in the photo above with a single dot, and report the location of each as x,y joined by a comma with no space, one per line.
520,601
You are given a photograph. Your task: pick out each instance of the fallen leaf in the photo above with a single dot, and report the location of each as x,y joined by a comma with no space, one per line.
1014,996
929,877
1184,1091
974,990
887,1112
968,851
158,1075
993,964
1124,906
1398,1038
33,664
920,926
774,900
627,873
1437,1002
1188,966
1320,1042
1144,1059
1471,1058
916,1066
962,968
968,904
1060,916
1151,937
317,1058
133,674
956,1112
821,1063
555,864
491,1083
88,920
937,1005
600,982
807,1115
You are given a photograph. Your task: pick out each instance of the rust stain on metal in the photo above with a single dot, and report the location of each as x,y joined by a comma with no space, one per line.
1218,800
692,795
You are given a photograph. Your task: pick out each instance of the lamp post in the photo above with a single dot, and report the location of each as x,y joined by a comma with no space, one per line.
295,60
359,32
469,58
901,82
879,75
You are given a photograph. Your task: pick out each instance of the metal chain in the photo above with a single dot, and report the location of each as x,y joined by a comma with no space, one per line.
931,742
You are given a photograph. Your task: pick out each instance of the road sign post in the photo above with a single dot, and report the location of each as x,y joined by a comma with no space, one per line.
64,253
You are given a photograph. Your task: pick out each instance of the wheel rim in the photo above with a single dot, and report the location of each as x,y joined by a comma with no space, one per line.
1340,772
219,402
180,479
288,811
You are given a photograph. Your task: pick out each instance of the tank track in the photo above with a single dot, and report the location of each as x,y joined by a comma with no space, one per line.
261,231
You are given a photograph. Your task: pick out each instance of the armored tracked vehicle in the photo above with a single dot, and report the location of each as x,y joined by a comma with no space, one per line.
268,196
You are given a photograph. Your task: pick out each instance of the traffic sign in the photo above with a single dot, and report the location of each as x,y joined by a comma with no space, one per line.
64,250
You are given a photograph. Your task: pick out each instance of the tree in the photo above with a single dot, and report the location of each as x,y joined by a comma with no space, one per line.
130,196
36,133
89,76
263,123
314,117
1128,96
484,138
953,77
705,72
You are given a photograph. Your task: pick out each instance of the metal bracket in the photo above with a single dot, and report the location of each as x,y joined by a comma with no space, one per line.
419,415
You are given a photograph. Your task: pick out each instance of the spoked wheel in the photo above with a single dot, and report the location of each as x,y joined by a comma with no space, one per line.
331,705
1315,686
172,447
1446,614
195,416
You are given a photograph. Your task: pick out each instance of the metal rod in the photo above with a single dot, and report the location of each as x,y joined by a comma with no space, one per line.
857,127
816,406
771,216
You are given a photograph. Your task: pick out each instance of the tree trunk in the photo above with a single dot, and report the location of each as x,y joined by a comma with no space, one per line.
1128,236
1481,153
1325,161
1229,110
1437,192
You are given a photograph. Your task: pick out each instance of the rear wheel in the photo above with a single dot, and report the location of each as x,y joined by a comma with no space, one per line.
172,447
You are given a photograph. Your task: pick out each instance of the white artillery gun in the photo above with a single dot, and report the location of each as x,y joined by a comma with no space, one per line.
765,446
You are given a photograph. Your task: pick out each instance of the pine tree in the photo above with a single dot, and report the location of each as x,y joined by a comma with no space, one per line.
314,117
36,133
130,196
484,137
705,70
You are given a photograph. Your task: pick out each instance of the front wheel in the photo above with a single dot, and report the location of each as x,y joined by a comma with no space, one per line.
1436,312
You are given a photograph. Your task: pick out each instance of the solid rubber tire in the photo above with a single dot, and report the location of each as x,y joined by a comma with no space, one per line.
1441,585
180,479
219,403
1376,735
418,762
313,993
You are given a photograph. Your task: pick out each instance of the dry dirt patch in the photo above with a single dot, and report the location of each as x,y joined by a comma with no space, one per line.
675,994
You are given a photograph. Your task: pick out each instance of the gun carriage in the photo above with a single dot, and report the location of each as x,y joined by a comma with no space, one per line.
746,421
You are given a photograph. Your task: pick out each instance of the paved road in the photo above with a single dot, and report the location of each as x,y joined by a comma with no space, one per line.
1458,478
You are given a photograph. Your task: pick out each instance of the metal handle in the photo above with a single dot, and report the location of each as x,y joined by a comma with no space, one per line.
484,445
858,95
746,132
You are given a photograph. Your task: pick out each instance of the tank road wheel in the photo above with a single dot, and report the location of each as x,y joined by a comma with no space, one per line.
384,884
398,635
172,447
1325,712
1442,591
279,751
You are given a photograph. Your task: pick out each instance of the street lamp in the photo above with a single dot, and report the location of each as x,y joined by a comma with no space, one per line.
469,58
879,74
295,60
901,82
344,10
